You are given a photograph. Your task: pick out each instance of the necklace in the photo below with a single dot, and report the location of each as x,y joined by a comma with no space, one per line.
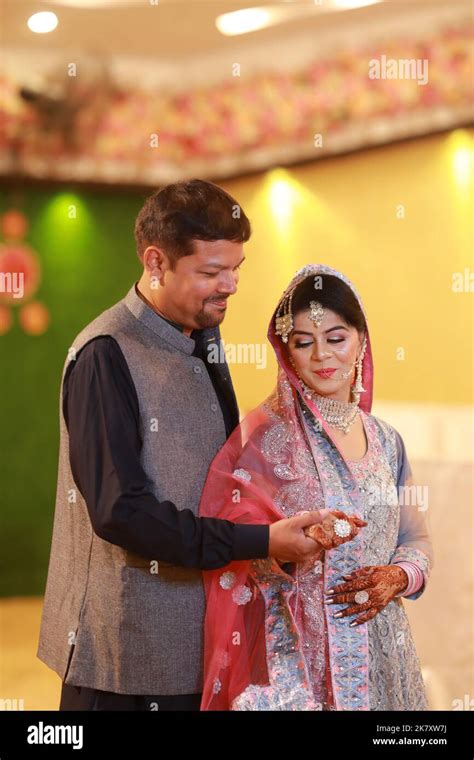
338,414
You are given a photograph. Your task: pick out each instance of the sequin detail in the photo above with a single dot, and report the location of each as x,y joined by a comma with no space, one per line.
241,595
289,685
242,474
227,580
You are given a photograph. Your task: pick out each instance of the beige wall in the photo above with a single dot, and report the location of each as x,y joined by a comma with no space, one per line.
343,212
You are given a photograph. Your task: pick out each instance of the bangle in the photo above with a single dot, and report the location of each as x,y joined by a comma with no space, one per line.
414,575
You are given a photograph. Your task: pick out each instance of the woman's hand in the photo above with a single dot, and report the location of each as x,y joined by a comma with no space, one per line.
375,586
329,531
289,541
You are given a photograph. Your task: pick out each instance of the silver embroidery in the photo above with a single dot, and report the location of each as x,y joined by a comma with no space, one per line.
241,595
394,674
227,580
292,463
242,474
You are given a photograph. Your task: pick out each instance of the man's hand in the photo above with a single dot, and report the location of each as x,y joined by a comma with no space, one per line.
288,541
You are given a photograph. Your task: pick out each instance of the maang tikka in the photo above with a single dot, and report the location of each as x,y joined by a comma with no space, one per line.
316,312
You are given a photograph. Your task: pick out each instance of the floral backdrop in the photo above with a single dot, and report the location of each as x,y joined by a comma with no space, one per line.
112,133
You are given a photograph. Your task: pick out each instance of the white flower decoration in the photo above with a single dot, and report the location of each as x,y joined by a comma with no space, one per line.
242,474
241,595
227,580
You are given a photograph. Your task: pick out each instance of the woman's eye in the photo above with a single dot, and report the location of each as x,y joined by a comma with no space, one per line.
303,345
335,340
209,274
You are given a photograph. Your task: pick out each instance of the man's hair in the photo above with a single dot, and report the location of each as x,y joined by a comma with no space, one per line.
173,217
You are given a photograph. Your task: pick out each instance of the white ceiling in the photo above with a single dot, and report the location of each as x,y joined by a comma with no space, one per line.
171,29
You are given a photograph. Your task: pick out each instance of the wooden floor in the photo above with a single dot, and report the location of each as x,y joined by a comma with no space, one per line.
22,676
27,684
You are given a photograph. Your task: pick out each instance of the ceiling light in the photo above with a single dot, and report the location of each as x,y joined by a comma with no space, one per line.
43,22
349,4
243,21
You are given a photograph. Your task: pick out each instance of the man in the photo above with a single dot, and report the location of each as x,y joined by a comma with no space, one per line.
142,416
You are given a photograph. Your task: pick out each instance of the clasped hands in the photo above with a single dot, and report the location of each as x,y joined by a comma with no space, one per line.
308,534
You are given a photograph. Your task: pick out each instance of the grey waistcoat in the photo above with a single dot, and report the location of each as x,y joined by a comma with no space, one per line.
108,623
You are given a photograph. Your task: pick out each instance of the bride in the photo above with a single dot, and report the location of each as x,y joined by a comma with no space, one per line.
331,633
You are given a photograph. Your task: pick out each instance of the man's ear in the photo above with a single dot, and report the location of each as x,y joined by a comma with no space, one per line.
155,262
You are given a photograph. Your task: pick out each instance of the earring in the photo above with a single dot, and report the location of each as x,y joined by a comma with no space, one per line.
358,388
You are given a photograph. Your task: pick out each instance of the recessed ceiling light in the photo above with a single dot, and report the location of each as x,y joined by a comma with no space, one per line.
43,22
248,20
353,4
244,21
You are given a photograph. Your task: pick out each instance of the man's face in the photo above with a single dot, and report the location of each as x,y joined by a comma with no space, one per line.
196,292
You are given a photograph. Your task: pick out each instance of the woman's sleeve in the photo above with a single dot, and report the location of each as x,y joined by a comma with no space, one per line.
414,542
404,467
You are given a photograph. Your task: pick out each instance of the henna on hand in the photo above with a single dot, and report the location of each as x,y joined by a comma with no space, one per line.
323,532
381,582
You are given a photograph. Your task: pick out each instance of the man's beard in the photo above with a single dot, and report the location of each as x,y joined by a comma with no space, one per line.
206,319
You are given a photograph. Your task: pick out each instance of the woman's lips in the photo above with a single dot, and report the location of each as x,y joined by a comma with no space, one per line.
325,372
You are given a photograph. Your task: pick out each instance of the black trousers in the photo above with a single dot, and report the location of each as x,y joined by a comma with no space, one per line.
82,698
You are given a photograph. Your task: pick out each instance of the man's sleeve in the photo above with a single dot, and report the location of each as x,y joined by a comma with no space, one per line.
101,411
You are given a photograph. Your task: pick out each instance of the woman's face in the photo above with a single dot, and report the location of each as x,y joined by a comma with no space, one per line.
334,345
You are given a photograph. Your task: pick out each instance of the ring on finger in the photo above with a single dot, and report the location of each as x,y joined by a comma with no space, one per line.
342,528
361,597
